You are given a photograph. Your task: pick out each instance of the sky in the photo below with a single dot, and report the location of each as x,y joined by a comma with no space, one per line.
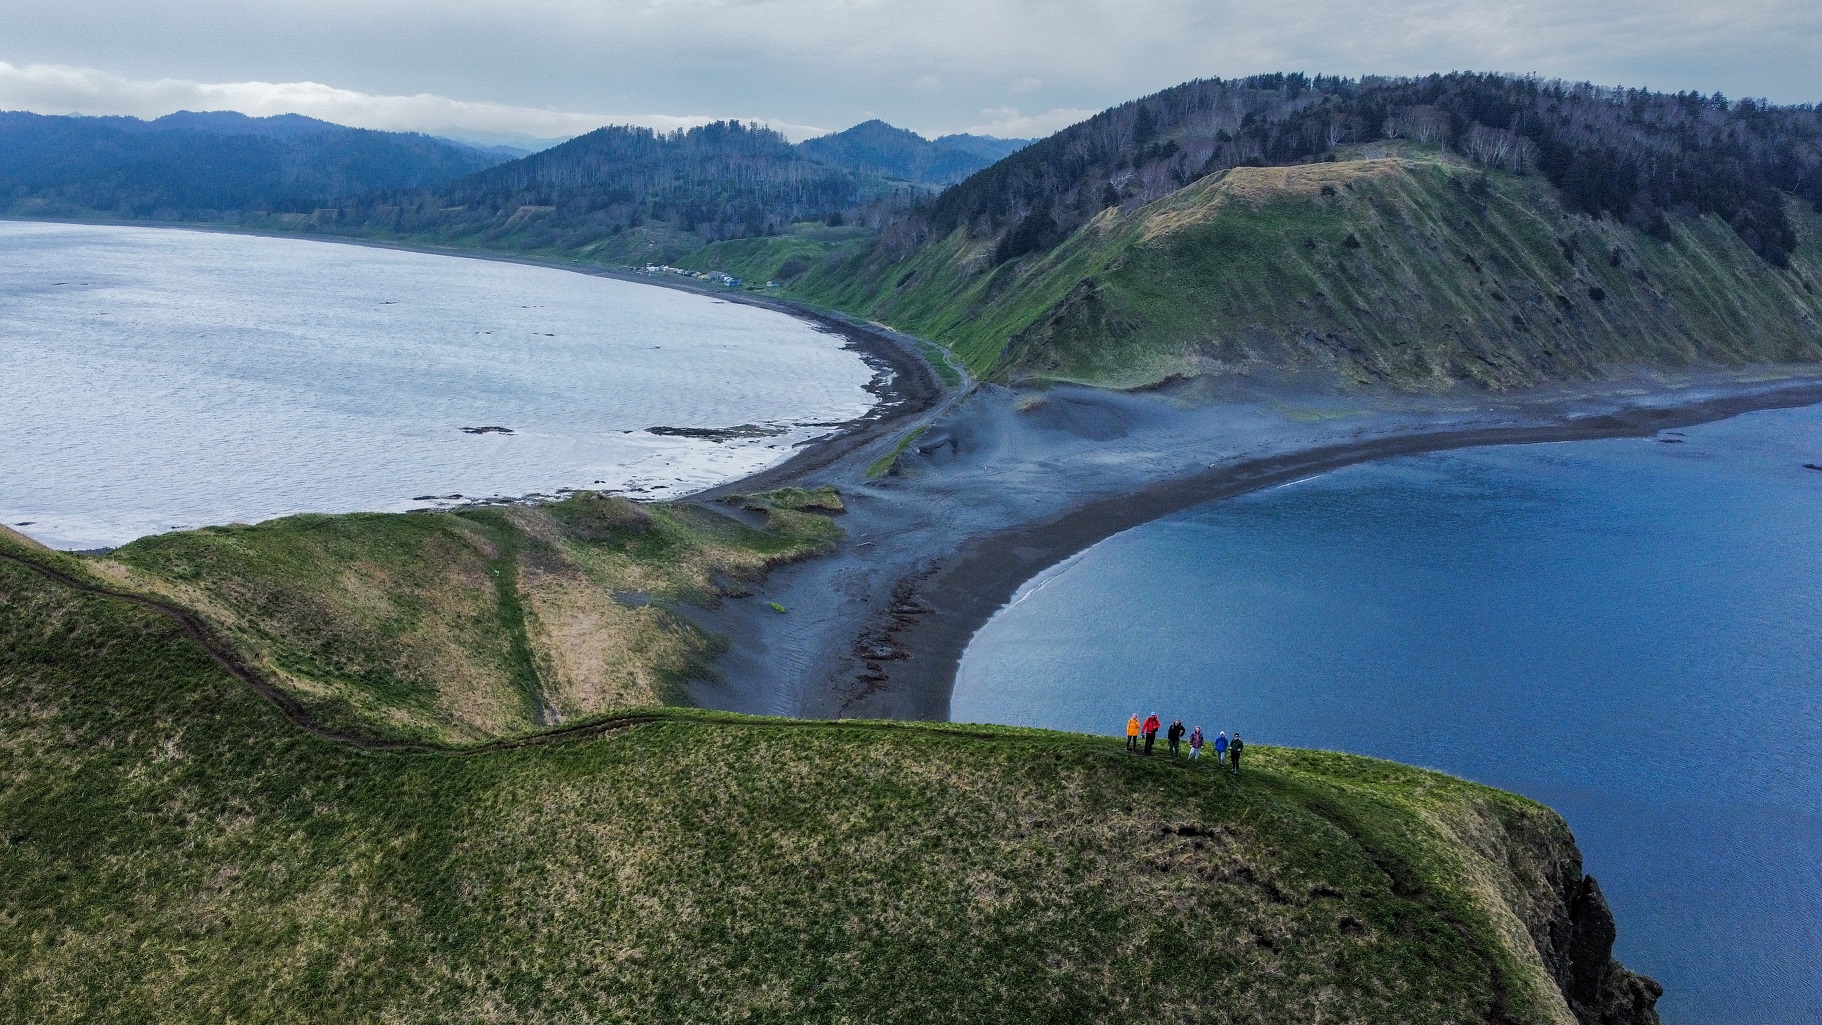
491,70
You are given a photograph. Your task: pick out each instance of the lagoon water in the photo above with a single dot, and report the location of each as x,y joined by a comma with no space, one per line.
1629,631
154,379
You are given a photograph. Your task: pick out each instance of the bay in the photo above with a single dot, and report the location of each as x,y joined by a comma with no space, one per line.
1629,631
157,379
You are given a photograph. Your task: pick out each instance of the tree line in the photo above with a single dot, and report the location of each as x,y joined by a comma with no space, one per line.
717,181
1630,154
194,167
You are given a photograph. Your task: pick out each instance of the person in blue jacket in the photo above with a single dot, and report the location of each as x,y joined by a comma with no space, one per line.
1221,748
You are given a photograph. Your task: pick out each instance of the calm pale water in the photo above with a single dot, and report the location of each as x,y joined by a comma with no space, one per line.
1628,631
155,379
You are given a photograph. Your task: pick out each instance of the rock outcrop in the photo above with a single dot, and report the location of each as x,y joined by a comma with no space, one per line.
1576,945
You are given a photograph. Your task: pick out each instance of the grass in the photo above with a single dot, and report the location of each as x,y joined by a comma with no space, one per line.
1406,268
458,626
939,360
821,499
176,851
886,463
773,257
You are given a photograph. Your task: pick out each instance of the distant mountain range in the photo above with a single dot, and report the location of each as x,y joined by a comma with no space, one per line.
221,165
632,195
624,194
213,166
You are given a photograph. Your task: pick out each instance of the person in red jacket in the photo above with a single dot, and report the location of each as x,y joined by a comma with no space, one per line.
1151,730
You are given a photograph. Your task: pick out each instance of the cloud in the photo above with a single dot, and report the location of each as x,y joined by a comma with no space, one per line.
60,89
1008,123
556,66
927,84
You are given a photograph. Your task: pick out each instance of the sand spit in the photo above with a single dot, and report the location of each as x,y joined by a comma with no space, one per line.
1001,485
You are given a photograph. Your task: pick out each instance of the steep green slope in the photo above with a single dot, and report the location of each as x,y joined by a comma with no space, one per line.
176,851
450,627
1405,268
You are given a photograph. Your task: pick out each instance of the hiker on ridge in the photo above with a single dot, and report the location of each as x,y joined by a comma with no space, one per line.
1233,754
1151,730
1174,735
1221,748
1195,744
1132,732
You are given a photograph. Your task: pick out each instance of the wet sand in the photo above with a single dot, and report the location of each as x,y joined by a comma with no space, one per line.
990,496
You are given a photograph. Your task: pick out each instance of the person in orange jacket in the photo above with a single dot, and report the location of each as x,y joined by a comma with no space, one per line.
1132,732
1152,726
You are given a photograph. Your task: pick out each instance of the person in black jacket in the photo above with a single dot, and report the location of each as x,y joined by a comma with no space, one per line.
1233,755
1174,735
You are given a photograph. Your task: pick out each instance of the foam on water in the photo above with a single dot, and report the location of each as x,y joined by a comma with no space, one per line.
153,380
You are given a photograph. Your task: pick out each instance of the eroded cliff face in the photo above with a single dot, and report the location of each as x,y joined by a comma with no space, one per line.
1573,930
1578,951
1552,932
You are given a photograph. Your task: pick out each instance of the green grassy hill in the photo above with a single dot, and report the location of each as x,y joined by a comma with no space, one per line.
1396,266
460,626
176,850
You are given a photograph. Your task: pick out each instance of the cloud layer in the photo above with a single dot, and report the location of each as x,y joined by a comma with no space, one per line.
929,65
55,88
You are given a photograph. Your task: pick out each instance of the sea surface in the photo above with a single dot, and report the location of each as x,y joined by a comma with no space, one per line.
1629,631
155,379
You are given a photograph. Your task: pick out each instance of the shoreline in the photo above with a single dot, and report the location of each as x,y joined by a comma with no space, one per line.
877,629
987,572
912,392
995,491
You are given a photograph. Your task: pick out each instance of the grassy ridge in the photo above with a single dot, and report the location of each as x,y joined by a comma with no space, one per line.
1411,269
175,851
481,623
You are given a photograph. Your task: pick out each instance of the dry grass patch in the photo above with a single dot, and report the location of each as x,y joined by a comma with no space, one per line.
474,624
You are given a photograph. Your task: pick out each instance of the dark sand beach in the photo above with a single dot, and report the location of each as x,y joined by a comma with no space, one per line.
1001,486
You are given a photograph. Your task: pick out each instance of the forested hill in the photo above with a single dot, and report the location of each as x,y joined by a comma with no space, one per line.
1623,153
632,195
875,147
1413,232
734,177
210,166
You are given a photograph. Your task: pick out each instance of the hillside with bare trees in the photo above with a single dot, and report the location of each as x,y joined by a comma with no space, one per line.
1633,155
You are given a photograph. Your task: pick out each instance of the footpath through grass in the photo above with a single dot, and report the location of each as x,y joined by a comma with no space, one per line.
175,851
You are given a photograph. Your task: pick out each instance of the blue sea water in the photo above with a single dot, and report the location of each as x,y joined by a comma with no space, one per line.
1629,631
153,379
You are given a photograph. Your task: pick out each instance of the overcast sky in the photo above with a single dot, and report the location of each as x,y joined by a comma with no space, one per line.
1003,67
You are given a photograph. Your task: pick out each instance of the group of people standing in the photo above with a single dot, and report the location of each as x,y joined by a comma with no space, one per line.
1227,752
